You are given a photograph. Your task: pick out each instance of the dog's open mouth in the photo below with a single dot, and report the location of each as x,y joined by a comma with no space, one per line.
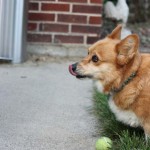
74,73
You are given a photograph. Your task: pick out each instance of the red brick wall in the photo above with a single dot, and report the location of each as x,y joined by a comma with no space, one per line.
64,21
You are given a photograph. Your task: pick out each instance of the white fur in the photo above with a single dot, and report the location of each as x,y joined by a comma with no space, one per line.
125,116
96,72
120,11
99,86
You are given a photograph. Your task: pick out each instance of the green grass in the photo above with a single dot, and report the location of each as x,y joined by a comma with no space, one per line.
123,137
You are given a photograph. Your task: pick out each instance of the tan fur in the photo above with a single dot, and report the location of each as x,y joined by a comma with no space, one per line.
118,59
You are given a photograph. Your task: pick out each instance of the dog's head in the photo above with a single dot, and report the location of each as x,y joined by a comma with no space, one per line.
107,57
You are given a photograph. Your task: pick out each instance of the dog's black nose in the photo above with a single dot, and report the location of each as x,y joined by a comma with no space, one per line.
74,67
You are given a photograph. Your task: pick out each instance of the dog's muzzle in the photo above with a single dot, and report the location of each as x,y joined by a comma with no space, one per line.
73,71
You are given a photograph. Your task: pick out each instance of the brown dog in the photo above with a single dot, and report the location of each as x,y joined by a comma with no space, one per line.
123,72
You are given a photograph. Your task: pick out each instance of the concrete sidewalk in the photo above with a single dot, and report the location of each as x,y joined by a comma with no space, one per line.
43,107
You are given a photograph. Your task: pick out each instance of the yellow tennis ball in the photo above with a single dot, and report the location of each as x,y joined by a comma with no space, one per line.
104,143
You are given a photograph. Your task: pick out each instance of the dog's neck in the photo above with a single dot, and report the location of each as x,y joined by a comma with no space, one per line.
126,73
131,67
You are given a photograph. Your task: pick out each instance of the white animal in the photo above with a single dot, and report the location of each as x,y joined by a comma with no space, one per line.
125,32
119,12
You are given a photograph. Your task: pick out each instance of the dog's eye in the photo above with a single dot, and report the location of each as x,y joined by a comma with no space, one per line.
95,58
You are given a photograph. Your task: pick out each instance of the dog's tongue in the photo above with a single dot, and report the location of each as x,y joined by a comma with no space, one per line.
71,71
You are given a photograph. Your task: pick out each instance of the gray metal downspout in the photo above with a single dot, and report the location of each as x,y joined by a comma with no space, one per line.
20,31
6,28
13,30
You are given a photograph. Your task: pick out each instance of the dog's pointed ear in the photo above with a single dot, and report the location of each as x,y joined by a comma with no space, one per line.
116,33
127,48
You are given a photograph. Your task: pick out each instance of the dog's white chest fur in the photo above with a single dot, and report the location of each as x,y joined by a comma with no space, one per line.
99,86
125,116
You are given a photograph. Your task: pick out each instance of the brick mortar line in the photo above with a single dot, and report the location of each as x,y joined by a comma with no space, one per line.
52,22
85,39
70,28
71,8
65,34
65,23
88,20
53,11
66,13
38,27
40,6
61,44
53,38
56,18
